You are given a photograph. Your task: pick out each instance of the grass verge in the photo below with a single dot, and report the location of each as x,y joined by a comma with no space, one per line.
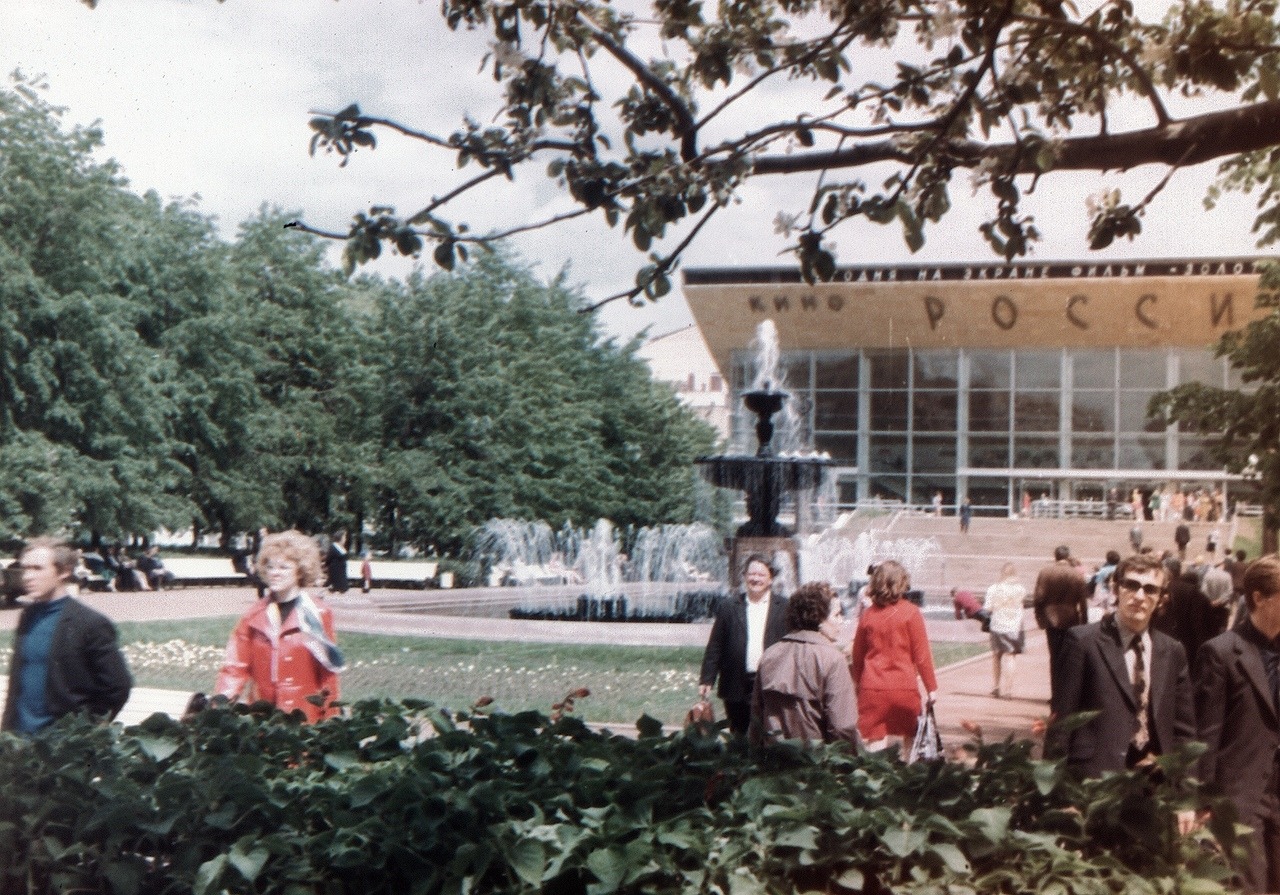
625,681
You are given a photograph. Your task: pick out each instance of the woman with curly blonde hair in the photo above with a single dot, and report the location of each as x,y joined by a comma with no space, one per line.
890,651
282,650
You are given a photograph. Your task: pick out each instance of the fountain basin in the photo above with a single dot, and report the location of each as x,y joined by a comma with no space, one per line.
747,472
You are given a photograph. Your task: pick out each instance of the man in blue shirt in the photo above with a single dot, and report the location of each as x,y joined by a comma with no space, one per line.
66,657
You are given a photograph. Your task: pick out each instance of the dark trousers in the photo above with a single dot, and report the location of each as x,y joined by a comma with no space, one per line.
739,713
1261,872
1055,637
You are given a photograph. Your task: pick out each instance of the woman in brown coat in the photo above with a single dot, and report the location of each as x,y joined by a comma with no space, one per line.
803,690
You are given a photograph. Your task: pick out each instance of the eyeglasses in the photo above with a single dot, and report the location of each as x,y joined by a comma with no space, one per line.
1133,585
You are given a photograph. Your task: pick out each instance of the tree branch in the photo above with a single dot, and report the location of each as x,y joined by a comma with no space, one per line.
666,265
688,129
1139,73
1186,141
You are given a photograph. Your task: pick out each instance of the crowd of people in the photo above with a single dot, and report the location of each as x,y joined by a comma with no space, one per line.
1148,652
1163,652
787,669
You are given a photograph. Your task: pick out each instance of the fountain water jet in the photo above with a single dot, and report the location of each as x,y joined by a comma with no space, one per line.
766,475
673,573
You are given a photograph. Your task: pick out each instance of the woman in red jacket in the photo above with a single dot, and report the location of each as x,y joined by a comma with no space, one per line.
283,648
890,650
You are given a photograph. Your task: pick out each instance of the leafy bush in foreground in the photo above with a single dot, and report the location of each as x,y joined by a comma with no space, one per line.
405,798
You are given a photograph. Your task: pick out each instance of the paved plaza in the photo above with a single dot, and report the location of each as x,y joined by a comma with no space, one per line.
964,688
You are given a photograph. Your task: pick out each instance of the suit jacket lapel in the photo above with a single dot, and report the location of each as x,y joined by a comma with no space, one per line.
1113,656
1251,667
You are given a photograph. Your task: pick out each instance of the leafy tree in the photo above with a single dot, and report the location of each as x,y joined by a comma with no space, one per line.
1244,423
80,392
651,117
292,455
500,399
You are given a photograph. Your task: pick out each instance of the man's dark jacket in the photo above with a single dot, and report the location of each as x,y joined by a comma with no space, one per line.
726,654
87,671
1094,677
1239,722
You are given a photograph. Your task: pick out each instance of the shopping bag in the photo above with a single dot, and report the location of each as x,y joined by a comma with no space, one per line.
928,741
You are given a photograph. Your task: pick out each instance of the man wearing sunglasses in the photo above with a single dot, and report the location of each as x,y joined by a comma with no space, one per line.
1135,677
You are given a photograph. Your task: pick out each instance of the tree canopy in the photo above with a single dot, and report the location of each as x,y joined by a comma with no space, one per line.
153,374
655,115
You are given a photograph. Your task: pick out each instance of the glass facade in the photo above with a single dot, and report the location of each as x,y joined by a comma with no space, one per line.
987,424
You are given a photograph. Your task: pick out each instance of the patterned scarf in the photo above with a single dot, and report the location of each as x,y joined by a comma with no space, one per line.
316,641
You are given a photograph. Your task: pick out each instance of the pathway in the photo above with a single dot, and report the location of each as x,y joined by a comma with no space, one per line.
964,688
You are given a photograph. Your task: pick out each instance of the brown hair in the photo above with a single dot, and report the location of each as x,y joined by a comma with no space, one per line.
889,583
1262,577
65,557
1141,562
296,548
809,606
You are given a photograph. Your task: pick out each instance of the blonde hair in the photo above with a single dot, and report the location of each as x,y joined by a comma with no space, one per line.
65,557
889,583
295,547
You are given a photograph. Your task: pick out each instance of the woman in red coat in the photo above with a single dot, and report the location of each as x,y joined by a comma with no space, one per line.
890,650
283,648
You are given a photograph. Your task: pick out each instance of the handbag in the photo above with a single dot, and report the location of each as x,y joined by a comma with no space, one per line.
984,618
928,742
702,716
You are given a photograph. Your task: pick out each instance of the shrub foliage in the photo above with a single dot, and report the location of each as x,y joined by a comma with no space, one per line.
408,798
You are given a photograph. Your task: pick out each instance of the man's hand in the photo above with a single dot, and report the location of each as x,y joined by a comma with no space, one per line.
1188,822
704,690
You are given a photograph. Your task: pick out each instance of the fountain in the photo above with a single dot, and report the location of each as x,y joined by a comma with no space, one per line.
673,572
766,476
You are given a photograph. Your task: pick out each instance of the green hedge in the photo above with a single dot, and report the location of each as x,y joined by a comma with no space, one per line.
406,798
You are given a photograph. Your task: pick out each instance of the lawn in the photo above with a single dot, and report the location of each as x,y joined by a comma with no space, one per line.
625,681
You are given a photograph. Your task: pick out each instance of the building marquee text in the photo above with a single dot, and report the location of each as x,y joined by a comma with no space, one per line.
1004,310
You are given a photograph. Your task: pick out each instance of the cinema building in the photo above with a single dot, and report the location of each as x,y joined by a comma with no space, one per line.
989,382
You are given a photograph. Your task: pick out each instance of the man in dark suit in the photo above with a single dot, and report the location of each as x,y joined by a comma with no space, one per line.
1239,715
1061,601
1135,677
65,658
744,627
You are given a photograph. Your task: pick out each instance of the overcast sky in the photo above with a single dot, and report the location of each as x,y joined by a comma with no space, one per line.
211,99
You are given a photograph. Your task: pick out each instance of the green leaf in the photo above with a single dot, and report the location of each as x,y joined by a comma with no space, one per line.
209,874
528,858
993,822
901,842
609,866
341,761
799,837
1045,774
951,856
851,879
443,255
157,747
248,861
648,727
